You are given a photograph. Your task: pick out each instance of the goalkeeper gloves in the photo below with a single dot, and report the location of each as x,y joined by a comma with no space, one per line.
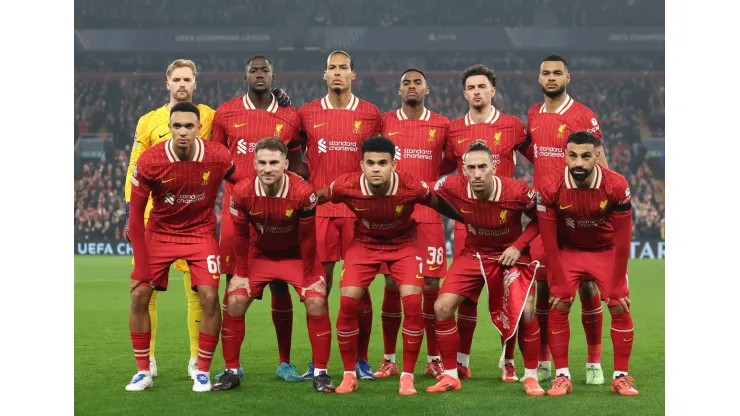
282,97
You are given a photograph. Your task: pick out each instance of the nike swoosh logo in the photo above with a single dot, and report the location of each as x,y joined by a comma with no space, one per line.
560,332
562,207
168,180
162,135
589,322
413,342
216,276
460,141
628,340
530,340
393,133
535,128
419,277
255,213
434,268
323,333
361,209
239,125
466,212
345,342
318,125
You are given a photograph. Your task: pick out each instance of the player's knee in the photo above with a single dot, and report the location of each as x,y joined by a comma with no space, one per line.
616,308
444,309
278,287
431,283
390,282
141,299
564,305
209,301
237,305
315,305
528,313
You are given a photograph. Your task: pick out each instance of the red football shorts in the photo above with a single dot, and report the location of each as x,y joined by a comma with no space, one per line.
507,287
362,265
333,237
589,265
537,252
202,258
263,270
226,235
430,240
460,232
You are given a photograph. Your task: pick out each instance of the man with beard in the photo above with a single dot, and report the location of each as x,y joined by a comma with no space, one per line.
585,219
152,129
504,135
550,123
420,137
239,124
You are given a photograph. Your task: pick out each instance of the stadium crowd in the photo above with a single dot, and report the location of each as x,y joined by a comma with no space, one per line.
146,14
629,108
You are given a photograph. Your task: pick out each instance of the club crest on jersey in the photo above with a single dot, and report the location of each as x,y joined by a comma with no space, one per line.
288,213
561,130
497,138
358,125
227,259
399,210
432,132
206,176
278,129
502,216
602,204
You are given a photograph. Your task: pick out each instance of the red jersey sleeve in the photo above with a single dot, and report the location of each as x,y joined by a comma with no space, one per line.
526,201
238,207
546,201
443,189
218,132
620,194
141,179
336,189
591,122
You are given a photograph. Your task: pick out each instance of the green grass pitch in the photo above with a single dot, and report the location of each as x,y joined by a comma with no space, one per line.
104,361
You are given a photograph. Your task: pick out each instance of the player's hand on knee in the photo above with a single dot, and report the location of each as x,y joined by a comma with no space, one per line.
238,282
318,287
509,257
554,302
625,302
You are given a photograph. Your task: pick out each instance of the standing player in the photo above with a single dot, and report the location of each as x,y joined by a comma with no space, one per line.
585,217
239,124
420,136
384,201
280,206
550,123
493,208
183,176
153,128
336,126
504,135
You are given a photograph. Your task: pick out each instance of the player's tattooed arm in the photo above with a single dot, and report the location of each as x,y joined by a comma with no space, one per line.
443,207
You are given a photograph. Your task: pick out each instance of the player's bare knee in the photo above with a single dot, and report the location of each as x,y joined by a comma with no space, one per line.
563,305
209,301
354,292
431,283
315,305
390,282
528,313
444,308
140,298
587,289
616,309
237,305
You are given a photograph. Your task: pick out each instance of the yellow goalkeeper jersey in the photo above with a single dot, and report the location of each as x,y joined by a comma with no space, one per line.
153,128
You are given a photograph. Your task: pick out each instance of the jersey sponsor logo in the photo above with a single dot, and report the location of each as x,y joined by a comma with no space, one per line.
487,232
399,210
432,132
561,130
381,226
278,130
497,138
322,146
548,151
414,153
397,155
236,126
570,222
358,126
189,199
241,147
288,213
274,229
337,146
169,198
206,177
393,133
318,125
502,216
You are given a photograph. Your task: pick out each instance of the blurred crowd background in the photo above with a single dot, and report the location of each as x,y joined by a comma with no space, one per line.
625,88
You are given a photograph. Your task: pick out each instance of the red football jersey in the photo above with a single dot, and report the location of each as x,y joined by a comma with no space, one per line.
275,219
502,133
383,222
420,148
335,137
495,224
183,191
583,214
549,132
238,125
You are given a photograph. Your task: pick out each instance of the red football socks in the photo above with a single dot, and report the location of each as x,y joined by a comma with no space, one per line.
282,318
592,318
140,341
232,336
365,322
430,296
391,318
319,332
559,337
347,331
448,339
206,348
412,331
623,335
542,311
529,343
467,318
